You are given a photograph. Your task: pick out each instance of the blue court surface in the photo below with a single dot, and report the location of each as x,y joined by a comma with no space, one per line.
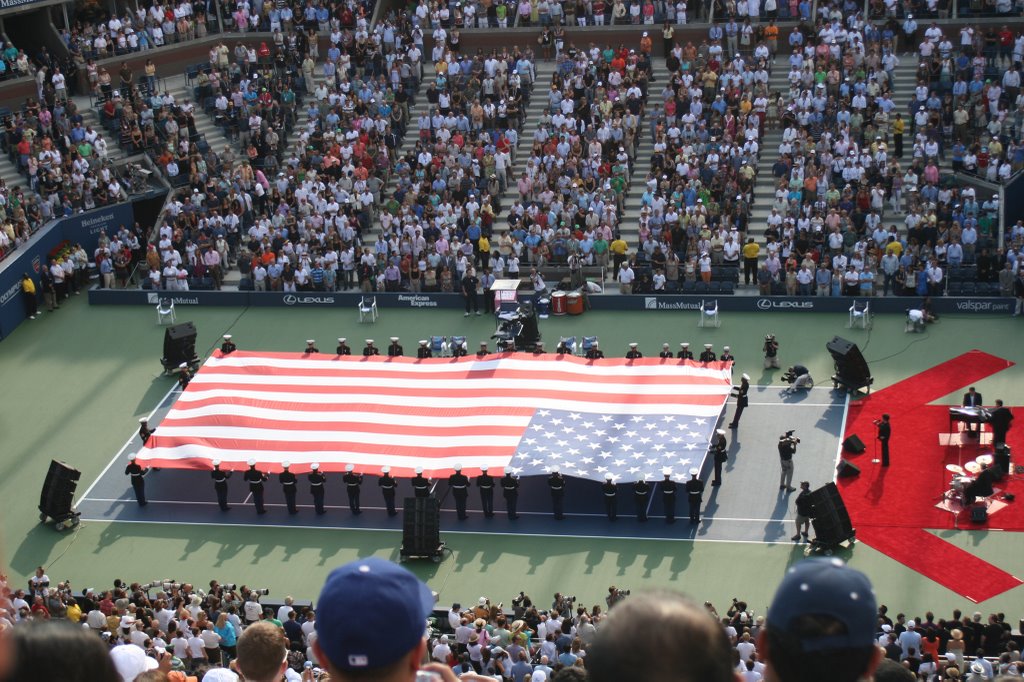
747,507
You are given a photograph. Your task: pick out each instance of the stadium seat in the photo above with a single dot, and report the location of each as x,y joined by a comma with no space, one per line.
439,345
689,287
728,288
457,342
368,308
860,315
709,314
165,312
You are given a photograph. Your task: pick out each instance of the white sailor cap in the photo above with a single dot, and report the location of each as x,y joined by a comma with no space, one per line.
143,420
609,476
555,470
707,346
183,365
725,348
369,342
457,467
419,470
746,376
664,345
666,471
227,337
342,339
423,342
633,345
215,463
310,342
394,338
720,432
251,462
314,466
131,456
385,469
695,472
285,464
350,467
685,344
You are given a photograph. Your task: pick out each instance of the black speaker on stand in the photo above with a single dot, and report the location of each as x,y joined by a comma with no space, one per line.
854,445
832,525
851,368
179,346
421,529
58,494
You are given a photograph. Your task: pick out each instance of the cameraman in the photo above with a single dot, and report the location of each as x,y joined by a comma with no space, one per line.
787,448
615,595
799,378
771,352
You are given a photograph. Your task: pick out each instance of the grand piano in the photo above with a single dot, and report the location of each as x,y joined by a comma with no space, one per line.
968,415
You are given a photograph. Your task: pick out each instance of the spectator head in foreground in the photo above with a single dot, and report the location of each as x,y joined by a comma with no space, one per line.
660,636
371,622
83,656
821,625
262,655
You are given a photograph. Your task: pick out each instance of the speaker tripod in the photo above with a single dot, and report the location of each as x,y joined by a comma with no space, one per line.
874,456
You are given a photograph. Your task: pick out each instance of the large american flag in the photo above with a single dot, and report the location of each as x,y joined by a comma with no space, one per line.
523,412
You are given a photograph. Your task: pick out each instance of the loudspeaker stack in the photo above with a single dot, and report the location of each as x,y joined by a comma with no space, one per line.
831,521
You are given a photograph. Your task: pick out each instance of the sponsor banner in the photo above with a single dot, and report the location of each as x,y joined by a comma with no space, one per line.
679,304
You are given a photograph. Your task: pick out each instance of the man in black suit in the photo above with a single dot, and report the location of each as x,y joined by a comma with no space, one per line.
556,483
1000,420
972,399
884,434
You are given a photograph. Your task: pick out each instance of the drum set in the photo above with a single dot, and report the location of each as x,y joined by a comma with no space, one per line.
963,476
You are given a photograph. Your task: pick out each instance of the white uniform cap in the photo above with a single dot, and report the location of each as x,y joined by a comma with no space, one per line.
342,339
350,467
314,466
423,342
666,471
483,468
227,337
746,376
419,470
216,462
183,365
664,345
554,470
707,345
483,344
608,477
694,472
310,341
684,344
285,464
385,470
458,467
131,456
251,462
369,342
725,348
720,432
394,338
143,420
632,345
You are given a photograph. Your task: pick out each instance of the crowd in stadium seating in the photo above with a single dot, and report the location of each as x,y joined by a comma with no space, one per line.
200,628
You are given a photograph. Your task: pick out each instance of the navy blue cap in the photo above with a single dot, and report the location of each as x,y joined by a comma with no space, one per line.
826,587
371,612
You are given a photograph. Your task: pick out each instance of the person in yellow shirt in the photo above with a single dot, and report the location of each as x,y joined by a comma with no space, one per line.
74,611
895,247
618,247
28,288
483,251
750,253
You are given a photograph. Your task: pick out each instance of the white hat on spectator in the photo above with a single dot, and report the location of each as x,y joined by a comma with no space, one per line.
220,675
131,661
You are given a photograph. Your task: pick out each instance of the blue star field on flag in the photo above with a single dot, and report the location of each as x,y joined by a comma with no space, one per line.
628,447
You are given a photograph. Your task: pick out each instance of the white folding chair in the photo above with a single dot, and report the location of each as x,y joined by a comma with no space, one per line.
569,342
457,342
165,312
709,314
860,315
368,308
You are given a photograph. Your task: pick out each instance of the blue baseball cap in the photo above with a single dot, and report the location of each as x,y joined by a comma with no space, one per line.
371,612
826,587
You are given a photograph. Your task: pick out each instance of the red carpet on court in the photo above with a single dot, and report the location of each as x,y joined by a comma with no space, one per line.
892,506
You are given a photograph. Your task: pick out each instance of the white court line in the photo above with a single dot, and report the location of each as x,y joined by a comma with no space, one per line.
472,512
124,447
842,430
796,404
460,532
